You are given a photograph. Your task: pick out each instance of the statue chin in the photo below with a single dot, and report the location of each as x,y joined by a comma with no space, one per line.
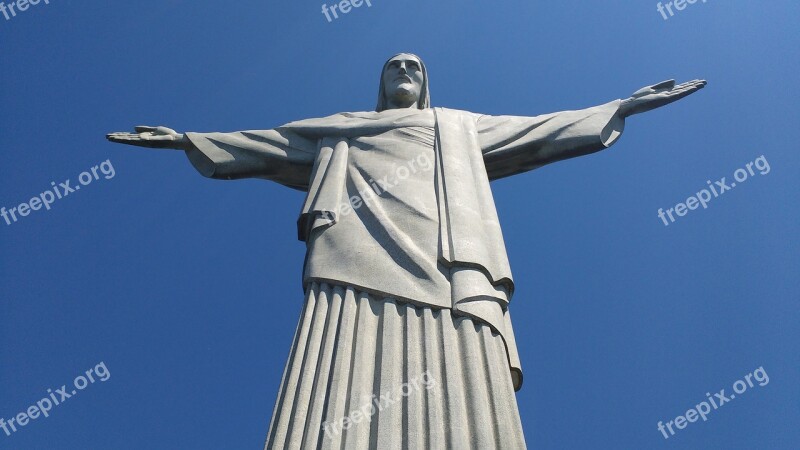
404,98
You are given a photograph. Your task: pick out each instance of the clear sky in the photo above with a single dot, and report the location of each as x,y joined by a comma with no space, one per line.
184,292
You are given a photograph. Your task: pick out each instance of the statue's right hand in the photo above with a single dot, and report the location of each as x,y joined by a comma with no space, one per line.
153,137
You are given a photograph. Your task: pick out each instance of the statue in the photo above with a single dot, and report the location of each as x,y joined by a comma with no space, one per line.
406,275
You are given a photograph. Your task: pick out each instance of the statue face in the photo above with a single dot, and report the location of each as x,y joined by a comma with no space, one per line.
402,81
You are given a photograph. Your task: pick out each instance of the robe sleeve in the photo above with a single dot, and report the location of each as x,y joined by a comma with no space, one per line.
279,155
513,144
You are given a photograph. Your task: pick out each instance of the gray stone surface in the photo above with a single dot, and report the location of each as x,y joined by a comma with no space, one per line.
399,206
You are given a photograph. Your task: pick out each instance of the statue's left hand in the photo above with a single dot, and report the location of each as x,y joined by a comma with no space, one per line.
658,95
152,137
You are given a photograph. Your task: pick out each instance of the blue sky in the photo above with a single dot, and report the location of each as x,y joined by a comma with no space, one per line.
188,289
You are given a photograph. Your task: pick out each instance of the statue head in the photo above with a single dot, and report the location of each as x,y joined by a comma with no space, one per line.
404,83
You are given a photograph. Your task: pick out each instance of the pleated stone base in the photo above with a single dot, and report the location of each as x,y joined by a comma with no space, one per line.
365,372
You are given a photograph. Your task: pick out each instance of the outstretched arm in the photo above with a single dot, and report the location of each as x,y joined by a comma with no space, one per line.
278,155
514,144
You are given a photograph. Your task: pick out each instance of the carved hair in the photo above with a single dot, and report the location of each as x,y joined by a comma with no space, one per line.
424,100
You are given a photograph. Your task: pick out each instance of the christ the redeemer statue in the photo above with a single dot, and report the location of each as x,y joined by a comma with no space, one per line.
405,340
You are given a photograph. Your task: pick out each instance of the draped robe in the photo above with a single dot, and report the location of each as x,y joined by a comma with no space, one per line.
428,235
